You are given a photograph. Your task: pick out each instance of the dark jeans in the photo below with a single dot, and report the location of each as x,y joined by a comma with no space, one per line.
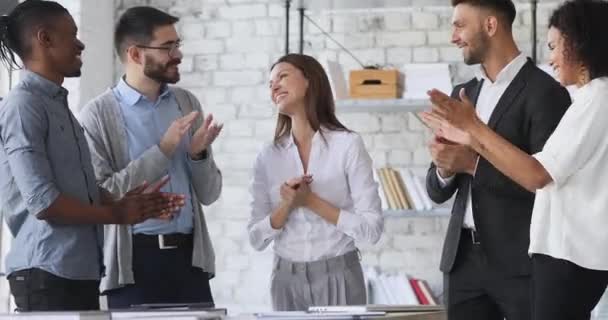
162,276
564,290
475,290
38,290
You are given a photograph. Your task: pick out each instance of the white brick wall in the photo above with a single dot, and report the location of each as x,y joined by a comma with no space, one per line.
229,48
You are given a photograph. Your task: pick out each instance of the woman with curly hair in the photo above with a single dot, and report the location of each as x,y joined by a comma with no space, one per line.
568,237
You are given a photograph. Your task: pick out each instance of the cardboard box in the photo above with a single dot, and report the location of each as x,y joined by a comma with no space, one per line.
375,84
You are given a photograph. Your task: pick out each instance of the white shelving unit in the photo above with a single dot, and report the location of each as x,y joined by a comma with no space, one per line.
382,105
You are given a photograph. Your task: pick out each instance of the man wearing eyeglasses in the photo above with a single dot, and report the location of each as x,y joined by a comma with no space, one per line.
141,130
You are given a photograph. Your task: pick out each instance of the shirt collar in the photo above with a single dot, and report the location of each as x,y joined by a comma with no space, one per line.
507,74
130,96
289,141
43,84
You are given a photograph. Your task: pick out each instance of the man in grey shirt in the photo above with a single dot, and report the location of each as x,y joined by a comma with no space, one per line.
48,191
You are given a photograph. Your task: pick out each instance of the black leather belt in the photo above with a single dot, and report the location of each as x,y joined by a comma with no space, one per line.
471,235
163,241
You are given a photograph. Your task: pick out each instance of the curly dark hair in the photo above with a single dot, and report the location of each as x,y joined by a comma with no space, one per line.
583,25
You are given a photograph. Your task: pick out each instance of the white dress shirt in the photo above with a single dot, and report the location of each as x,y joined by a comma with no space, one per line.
488,98
342,175
570,214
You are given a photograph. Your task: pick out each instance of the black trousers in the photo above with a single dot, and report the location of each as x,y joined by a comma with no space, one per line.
162,276
564,290
474,290
38,290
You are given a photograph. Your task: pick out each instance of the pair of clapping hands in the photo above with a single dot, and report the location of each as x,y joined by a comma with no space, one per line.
296,191
144,202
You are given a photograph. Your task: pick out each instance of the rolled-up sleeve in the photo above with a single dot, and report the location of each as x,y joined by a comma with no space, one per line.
260,231
365,223
23,132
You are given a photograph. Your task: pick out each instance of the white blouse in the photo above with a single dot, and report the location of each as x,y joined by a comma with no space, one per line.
342,175
570,216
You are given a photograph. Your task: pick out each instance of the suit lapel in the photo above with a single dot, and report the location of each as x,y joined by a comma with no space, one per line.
513,90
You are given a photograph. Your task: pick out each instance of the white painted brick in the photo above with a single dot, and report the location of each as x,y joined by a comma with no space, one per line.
388,141
236,161
369,258
235,78
393,122
368,140
370,23
191,30
322,21
206,62
221,112
382,244
195,79
344,24
232,194
379,158
352,41
210,96
237,145
399,158
242,94
442,37
414,124
232,61
243,29
257,111
234,229
257,44
226,245
268,27
426,54
398,225
187,64
276,10
398,56
392,259
202,47
217,29
243,11
401,39
361,122
398,21
425,20
257,60
225,279
521,34
450,54
421,156
366,56
238,128
264,129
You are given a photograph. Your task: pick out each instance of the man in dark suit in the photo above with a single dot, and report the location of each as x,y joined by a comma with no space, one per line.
485,260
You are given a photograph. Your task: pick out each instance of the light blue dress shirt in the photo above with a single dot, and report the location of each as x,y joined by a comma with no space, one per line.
146,122
44,154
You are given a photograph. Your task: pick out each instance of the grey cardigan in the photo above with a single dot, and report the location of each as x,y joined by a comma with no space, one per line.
106,135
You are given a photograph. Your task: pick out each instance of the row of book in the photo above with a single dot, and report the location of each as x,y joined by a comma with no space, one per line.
397,288
401,189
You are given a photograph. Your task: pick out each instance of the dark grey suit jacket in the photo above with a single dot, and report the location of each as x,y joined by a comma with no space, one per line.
526,115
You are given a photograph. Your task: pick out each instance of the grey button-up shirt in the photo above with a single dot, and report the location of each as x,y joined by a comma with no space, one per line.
44,154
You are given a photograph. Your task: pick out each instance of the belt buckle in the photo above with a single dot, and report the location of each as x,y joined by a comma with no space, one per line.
161,243
473,237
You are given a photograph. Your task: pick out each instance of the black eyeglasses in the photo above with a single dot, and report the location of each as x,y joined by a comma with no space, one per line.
171,49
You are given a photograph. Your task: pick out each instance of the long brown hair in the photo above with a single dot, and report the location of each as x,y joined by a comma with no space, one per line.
319,100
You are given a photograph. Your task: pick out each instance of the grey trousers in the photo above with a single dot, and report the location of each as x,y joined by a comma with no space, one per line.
334,281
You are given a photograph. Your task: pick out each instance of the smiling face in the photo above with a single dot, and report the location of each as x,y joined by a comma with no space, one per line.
288,88
468,33
160,64
65,48
562,61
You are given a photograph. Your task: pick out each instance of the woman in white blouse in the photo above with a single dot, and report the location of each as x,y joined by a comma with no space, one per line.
568,234
313,194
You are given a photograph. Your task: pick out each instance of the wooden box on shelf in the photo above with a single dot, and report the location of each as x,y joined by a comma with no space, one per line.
375,84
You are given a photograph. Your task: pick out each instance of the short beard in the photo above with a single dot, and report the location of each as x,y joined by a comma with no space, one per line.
157,71
477,56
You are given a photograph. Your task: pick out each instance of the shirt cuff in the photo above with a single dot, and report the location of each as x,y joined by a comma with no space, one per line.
444,181
268,232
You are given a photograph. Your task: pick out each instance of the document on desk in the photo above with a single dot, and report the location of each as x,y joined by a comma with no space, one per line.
58,315
304,315
376,308
166,314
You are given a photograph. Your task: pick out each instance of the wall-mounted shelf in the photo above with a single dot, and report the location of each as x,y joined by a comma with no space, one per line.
433,213
382,105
